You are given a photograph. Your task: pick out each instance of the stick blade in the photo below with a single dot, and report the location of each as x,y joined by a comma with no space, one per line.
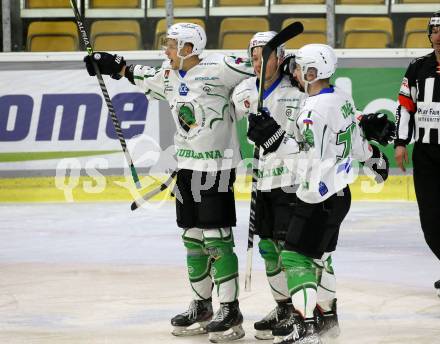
283,36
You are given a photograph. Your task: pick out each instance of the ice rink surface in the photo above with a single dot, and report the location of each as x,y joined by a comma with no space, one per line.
98,273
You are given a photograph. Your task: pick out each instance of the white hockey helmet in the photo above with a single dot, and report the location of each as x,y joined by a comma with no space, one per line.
188,33
260,39
319,56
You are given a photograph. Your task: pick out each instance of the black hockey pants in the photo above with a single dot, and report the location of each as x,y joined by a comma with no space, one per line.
426,163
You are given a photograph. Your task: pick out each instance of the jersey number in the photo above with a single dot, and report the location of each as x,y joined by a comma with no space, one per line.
344,137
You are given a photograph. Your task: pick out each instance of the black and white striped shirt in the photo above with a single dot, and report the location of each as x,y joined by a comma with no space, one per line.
418,113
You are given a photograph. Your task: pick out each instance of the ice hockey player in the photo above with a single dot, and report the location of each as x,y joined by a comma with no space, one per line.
198,92
275,190
329,141
417,118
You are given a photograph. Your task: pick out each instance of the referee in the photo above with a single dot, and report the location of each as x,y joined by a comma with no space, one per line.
418,118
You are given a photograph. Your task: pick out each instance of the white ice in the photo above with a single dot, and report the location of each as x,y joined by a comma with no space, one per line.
98,273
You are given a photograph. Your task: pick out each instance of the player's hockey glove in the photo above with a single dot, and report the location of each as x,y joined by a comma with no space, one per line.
377,127
108,64
379,164
265,131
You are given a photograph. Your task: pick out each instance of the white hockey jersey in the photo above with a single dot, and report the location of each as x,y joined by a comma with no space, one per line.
275,169
332,140
206,138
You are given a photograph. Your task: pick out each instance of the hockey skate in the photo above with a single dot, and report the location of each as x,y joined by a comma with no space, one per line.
296,330
264,327
226,324
437,286
193,321
327,322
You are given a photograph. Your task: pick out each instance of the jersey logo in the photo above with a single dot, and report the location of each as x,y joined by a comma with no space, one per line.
166,73
183,89
322,188
187,119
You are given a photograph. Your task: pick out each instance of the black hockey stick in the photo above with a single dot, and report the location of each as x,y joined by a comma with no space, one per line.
283,36
166,184
115,120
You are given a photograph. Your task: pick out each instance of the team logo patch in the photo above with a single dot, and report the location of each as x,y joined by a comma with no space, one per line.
323,189
187,118
183,89
247,104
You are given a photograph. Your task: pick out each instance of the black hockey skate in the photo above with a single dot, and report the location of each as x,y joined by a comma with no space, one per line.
296,330
327,322
194,320
437,286
226,324
264,327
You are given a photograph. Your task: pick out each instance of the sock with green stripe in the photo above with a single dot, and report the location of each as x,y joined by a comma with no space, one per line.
301,281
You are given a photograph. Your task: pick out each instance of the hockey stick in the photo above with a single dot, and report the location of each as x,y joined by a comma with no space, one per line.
283,36
116,124
166,184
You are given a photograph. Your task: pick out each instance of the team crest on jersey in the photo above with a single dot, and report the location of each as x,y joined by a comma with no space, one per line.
183,89
186,116
247,104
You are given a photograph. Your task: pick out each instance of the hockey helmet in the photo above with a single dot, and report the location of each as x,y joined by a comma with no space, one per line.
188,33
319,56
260,39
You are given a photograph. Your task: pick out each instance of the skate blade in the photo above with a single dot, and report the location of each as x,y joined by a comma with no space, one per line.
193,330
234,333
264,335
314,339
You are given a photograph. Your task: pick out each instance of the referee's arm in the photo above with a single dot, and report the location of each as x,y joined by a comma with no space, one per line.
405,119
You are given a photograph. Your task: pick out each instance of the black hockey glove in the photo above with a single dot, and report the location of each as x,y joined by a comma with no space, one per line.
265,131
377,127
288,68
379,164
108,64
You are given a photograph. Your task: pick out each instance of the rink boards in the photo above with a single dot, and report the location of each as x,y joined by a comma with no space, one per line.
57,142
120,188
